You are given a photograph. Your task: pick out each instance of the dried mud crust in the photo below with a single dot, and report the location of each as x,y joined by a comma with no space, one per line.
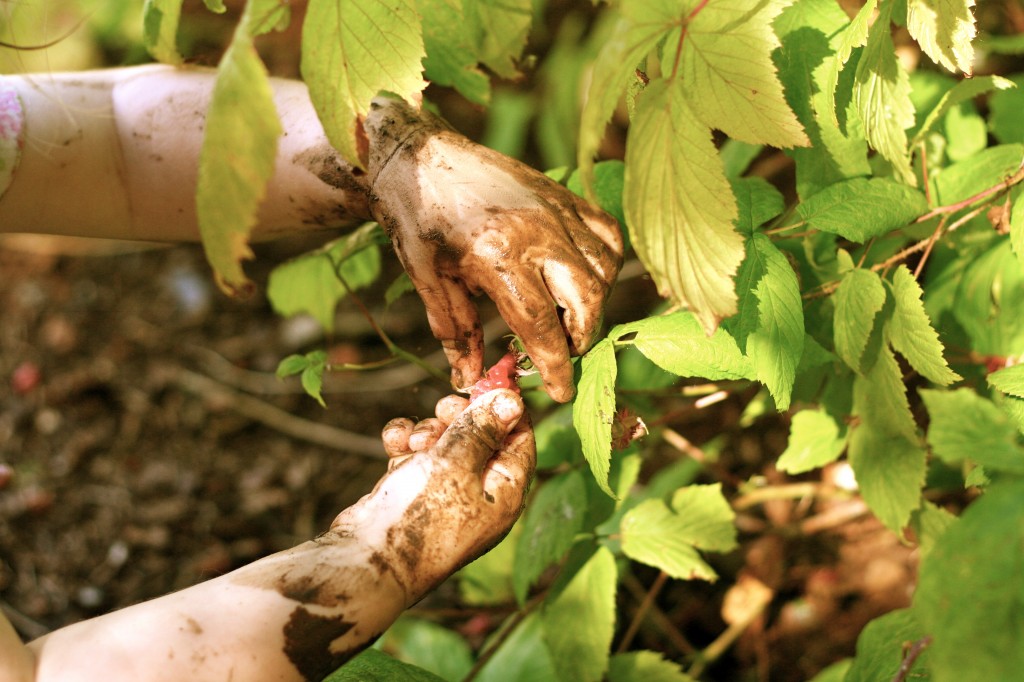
118,482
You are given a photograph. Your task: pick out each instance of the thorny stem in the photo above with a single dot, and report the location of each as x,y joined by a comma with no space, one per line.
503,635
641,612
926,244
393,348
907,664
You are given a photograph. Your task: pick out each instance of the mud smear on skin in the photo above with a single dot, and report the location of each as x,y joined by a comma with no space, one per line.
307,643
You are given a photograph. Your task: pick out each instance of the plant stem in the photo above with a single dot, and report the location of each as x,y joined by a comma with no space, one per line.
641,612
713,651
517,618
907,664
787,491
394,349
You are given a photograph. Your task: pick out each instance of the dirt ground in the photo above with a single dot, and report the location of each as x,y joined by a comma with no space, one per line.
145,445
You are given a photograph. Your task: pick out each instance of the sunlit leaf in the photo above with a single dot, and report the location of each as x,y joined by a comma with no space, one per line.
237,157
882,96
668,536
160,29
967,427
814,441
862,208
352,50
451,49
594,409
911,332
678,344
757,202
961,92
858,299
500,28
644,666
679,206
724,63
944,29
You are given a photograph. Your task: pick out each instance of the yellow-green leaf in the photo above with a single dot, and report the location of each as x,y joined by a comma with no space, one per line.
237,156
912,334
160,29
679,205
352,50
724,62
944,29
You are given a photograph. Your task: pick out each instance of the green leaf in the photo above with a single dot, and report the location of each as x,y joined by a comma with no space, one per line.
488,581
912,334
966,426
668,537
522,656
352,50
983,170
1017,222
757,202
835,672
429,646
401,286
678,344
944,30
881,649
726,72
580,622
609,178
989,302
679,206
644,666
310,367
160,29
883,448
622,50
737,157
862,208
881,93
1009,380
500,28
1004,113
814,441
777,340
970,595
929,523
376,666
858,299
811,32
552,520
594,409
312,379
451,50
237,156
961,92
315,282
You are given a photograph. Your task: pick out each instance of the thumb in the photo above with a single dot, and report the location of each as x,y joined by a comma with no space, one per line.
476,434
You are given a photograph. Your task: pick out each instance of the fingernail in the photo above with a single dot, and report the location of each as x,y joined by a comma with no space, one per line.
505,408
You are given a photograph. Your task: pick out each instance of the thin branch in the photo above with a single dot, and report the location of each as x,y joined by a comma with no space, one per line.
275,417
514,622
913,653
712,652
641,612
658,617
789,491
980,196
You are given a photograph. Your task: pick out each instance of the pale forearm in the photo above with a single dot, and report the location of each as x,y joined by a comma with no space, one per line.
296,615
115,154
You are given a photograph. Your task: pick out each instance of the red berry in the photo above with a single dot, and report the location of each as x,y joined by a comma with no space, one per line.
502,375
25,377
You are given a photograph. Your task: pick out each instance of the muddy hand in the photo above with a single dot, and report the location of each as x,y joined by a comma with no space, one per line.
467,220
455,487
